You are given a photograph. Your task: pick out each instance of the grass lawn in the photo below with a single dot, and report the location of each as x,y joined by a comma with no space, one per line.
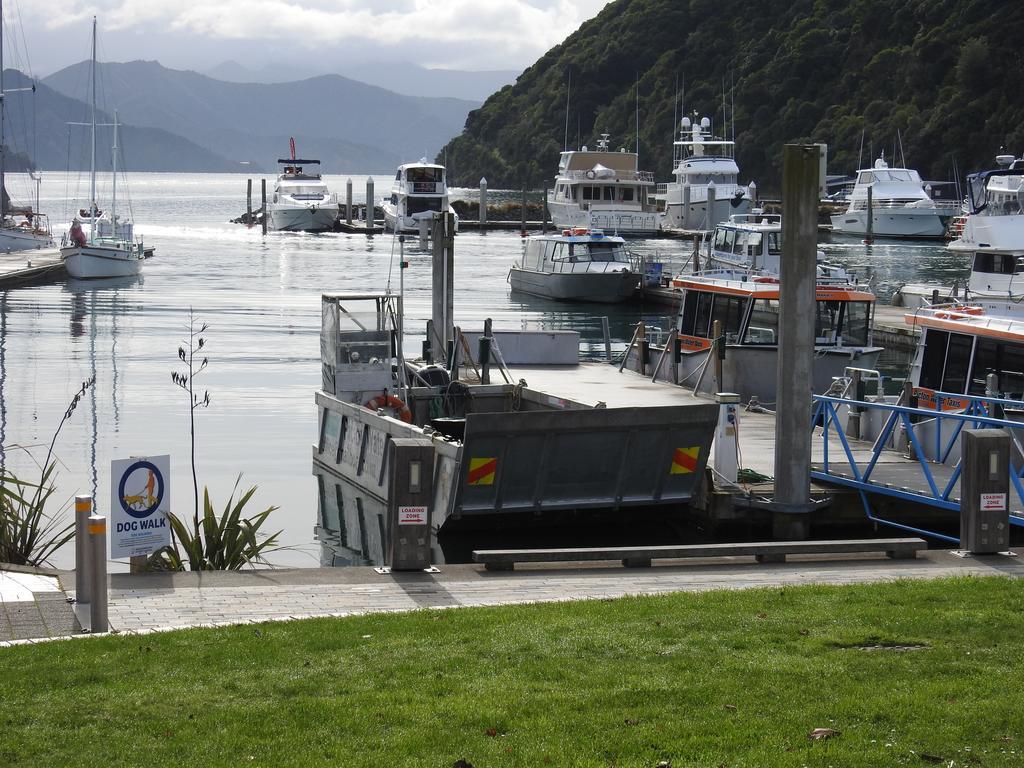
910,673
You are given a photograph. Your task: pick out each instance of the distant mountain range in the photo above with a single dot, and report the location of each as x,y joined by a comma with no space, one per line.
400,77
350,126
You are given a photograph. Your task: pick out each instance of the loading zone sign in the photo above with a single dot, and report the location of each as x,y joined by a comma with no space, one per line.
140,492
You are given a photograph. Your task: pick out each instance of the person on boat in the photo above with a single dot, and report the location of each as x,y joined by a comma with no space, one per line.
77,234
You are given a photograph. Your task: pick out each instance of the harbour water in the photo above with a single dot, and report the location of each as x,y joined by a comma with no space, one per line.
261,299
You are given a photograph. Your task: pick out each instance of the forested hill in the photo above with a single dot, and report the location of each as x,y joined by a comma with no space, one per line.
944,74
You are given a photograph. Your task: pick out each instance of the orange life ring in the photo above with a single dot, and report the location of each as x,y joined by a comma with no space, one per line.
772,280
580,231
390,401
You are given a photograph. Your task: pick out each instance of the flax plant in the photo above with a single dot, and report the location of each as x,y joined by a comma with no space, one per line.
186,380
28,535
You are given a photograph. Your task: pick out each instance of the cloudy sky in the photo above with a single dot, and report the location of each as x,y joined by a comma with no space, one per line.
321,35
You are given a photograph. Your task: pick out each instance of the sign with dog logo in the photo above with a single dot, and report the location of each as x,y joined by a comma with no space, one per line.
139,505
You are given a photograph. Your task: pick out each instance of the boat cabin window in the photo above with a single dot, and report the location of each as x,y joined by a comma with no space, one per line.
421,204
305,191
763,327
579,253
856,322
826,321
997,263
864,177
1005,360
627,194
724,239
424,174
398,176
702,309
591,193
945,362
609,193
775,243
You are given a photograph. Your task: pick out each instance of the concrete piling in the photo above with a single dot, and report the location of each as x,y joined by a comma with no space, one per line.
710,218
369,202
248,202
483,204
869,232
263,204
797,303
348,202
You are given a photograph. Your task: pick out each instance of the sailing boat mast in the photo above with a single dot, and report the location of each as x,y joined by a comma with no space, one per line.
92,160
113,183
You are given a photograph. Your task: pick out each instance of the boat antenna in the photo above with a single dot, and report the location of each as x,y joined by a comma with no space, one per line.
903,158
92,161
860,152
732,103
725,113
638,117
675,108
568,90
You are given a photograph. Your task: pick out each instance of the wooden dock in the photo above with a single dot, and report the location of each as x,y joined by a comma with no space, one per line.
21,267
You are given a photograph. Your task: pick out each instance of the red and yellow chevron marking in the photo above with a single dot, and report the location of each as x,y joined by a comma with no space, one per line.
481,471
684,460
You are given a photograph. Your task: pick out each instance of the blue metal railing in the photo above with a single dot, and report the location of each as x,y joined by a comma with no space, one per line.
975,413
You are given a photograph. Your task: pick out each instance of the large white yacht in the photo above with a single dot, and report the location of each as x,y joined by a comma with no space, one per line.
604,189
301,201
701,161
993,236
419,192
901,207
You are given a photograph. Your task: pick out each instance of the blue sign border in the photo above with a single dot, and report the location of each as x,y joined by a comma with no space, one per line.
140,514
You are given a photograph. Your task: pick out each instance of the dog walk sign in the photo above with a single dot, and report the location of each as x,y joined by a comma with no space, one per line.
140,502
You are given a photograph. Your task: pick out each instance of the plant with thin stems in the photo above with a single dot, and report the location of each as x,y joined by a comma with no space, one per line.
28,536
186,380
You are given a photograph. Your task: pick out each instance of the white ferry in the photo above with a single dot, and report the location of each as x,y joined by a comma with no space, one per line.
301,201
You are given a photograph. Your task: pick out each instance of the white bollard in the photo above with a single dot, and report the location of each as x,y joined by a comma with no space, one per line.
369,202
348,201
483,203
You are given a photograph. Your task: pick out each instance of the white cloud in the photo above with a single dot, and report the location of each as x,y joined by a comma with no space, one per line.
470,34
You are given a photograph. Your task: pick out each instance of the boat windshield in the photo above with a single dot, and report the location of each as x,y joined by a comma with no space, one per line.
303,191
424,174
891,175
591,251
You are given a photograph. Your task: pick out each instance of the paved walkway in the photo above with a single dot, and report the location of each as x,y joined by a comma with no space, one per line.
154,602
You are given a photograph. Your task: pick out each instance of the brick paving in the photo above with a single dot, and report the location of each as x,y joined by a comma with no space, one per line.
155,602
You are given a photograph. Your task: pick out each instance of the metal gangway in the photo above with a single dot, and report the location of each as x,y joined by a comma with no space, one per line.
909,452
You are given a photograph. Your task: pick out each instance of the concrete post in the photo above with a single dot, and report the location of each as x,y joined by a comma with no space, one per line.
684,214
424,231
853,418
522,210
710,218
606,331
369,202
98,555
410,490
263,204
719,342
443,282
869,232
696,254
483,204
985,488
348,201
484,353
797,280
752,191
83,569
248,202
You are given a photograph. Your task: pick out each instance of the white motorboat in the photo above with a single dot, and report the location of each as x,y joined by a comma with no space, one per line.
900,205
993,236
419,192
110,248
604,189
576,265
704,166
301,201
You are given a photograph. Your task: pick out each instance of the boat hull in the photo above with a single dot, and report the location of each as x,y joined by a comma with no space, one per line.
90,262
23,239
892,223
598,287
305,219
695,216
394,221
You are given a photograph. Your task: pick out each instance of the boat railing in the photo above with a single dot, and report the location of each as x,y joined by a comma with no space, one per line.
944,207
424,187
646,177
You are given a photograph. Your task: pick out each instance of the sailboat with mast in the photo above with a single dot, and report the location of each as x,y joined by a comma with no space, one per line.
22,228
109,249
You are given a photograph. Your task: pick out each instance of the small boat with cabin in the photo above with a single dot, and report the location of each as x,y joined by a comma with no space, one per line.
420,192
576,265
604,189
702,161
301,201
746,304
900,205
